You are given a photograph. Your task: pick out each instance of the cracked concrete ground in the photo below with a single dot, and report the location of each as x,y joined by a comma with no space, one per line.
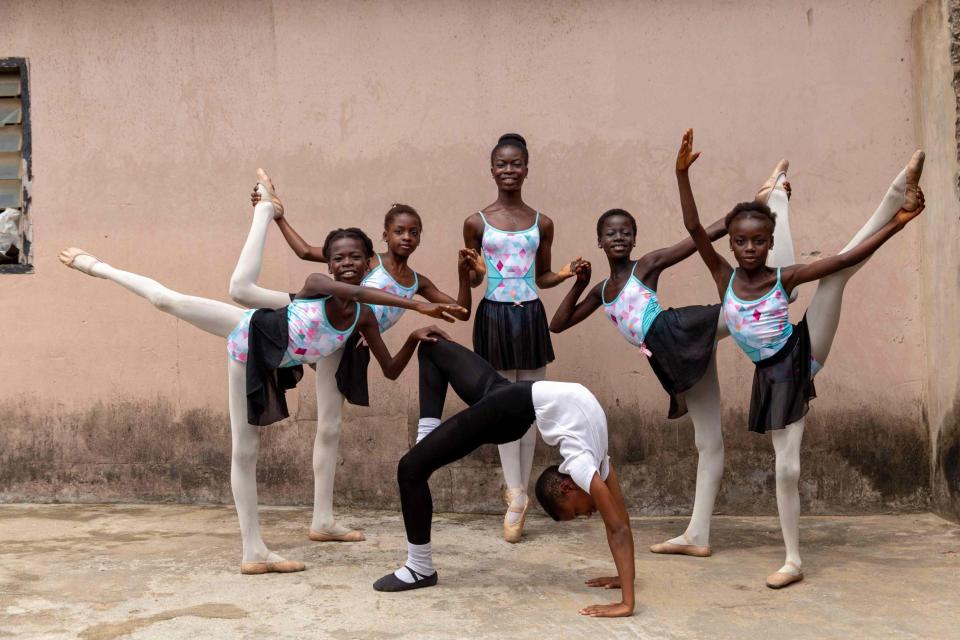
159,571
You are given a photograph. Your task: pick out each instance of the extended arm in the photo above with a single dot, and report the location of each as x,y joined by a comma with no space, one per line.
609,501
393,366
318,284
796,275
719,268
432,293
657,261
571,310
546,278
300,247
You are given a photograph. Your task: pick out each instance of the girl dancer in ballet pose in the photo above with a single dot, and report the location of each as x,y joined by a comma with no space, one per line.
322,315
678,342
510,328
388,272
754,308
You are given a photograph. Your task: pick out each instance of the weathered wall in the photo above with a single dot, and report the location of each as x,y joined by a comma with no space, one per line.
936,34
149,120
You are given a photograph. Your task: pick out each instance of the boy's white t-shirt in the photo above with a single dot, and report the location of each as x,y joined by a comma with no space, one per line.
569,415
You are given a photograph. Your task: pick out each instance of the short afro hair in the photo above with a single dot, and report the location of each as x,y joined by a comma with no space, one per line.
549,490
752,209
613,213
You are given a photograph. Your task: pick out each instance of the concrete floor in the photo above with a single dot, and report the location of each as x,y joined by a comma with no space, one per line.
159,571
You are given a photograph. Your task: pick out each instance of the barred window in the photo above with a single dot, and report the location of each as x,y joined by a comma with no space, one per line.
16,254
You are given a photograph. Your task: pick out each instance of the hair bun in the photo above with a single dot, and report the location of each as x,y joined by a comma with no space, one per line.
512,137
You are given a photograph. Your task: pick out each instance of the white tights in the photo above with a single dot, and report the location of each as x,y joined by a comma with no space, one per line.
244,290
219,319
703,399
823,318
516,457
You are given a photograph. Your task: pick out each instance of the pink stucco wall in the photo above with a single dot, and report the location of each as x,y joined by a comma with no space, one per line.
149,120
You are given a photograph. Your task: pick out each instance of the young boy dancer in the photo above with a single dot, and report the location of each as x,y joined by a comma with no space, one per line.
500,411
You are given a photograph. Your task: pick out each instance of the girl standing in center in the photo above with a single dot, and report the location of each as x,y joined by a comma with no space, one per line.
510,330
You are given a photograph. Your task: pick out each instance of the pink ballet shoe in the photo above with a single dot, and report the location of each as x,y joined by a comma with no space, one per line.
69,256
689,549
763,195
268,193
780,579
281,566
513,531
349,536
912,198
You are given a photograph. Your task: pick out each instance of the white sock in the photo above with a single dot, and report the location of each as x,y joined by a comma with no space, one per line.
420,559
425,426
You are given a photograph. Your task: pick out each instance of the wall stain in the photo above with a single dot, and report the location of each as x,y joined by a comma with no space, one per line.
144,451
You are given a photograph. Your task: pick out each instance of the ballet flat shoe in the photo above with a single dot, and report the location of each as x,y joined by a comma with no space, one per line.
779,580
695,550
763,195
283,566
350,536
69,256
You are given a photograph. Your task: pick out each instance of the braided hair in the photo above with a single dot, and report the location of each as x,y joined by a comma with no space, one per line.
349,232
756,210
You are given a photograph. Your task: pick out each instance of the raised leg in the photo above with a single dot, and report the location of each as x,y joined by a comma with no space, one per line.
243,287
786,444
823,314
212,316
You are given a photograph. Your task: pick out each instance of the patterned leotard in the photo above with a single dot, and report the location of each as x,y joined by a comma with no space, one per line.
511,260
633,310
310,334
380,278
761,327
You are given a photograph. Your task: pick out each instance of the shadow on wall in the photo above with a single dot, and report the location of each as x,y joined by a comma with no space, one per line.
946,484
142,451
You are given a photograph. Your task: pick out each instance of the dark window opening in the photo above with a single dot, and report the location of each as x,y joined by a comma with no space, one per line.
16,178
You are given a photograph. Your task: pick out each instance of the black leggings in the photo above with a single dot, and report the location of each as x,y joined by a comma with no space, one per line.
499,412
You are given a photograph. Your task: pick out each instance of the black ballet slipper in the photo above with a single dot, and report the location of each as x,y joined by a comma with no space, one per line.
391,582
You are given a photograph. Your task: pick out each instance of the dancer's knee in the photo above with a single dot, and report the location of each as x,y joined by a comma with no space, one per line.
240,292
788,470
708,445
328,429
244,457
409,472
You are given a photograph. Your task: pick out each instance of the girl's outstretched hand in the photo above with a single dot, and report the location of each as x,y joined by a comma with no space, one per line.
903,216
439,310
254,196
429,334
686,156
569,270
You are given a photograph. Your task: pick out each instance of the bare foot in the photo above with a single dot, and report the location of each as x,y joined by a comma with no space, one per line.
781,169
912,199
79,259
269,193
